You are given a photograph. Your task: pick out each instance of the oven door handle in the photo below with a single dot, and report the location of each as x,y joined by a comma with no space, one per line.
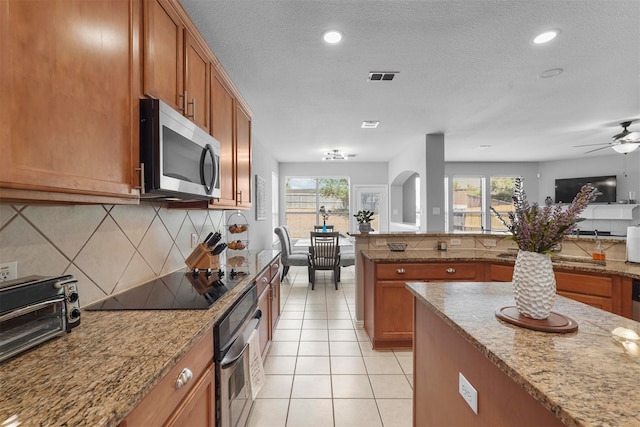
240,345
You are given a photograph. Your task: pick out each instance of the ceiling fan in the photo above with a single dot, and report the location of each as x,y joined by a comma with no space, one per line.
336,155
624,142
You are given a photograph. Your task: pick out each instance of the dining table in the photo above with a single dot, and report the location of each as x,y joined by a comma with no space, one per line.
343,241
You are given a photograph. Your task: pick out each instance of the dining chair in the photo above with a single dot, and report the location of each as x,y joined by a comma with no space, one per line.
324,254
289,258
321,227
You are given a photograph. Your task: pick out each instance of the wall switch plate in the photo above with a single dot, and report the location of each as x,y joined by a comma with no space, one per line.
468,393
436,211
194,240
455,242
8,271
381,242
490,243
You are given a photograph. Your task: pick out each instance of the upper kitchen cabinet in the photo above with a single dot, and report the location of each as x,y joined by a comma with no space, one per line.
69,112
176,65
222,106
243,157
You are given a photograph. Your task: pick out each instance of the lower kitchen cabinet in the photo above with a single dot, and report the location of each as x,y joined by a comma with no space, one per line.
268,283
606,292
192,403
388,305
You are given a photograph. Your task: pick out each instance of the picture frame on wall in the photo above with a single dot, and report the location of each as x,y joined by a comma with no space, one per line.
261,198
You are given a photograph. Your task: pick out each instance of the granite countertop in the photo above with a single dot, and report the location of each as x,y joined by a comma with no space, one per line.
584,377
98,373
473,255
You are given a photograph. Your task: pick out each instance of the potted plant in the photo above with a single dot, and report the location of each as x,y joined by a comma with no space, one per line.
325,216
364,219
537,230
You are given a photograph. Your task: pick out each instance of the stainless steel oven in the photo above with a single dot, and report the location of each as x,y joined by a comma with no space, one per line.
36,309
178,159
233,385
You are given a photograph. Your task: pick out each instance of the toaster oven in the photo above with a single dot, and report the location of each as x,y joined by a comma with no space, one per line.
35,309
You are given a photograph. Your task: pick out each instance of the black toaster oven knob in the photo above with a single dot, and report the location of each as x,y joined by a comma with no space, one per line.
73,297
75,314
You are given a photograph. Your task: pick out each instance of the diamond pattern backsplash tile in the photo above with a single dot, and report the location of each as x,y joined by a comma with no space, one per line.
108,248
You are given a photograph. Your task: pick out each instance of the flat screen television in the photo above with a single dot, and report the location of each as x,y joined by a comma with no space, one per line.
566,189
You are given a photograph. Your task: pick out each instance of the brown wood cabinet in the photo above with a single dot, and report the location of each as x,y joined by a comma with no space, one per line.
243,157
191,404
176,65
222,129
268,284
388,305
440,355
70,87
604,291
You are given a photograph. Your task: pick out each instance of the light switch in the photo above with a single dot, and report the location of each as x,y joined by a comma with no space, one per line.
436,211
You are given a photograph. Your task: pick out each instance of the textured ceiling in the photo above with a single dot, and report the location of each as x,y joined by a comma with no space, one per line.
468,69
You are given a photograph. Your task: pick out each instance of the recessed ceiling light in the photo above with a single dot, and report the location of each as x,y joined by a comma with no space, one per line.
550,73
372,124
332,36
545,37
481,147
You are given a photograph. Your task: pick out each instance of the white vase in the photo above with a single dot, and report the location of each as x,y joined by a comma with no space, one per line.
534,284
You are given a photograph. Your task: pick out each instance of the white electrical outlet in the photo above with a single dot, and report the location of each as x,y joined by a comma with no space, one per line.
455,242
468,393
8,271
194,240
490,243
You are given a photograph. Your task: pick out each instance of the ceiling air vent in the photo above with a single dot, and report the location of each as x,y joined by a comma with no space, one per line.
381,76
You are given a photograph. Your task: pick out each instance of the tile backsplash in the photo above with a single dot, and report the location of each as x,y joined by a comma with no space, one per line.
108,248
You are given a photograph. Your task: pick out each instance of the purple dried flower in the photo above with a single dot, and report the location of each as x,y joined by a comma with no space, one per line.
538,229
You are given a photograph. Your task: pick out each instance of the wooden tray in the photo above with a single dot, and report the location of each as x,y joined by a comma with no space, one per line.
556,322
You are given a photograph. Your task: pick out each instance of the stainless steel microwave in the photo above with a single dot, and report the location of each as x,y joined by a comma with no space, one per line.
179,160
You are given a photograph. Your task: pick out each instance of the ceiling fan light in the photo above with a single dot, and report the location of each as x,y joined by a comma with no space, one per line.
633,137
625,148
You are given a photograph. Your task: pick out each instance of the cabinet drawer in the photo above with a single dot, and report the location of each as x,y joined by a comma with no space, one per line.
275,266
583,283
158,405
500,273
430,271
262,281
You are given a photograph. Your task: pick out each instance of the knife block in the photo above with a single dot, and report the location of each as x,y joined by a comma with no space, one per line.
208,261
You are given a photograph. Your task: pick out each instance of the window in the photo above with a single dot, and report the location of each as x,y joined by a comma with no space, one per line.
468,212
275,205
305,195
472,199
501,192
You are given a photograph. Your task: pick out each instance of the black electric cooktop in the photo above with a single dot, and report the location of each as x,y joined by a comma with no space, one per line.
179,290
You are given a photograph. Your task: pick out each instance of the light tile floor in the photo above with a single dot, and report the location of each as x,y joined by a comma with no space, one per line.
321,370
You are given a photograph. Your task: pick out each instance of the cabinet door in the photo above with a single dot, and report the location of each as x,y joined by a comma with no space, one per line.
163,53
222,130
394,311
275,303
69,115
198,409
196,82
264,303
243,158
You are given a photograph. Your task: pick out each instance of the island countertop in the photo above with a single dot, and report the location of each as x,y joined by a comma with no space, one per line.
584,377
98,373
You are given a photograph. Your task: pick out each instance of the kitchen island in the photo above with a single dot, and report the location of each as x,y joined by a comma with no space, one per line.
97,374
522,377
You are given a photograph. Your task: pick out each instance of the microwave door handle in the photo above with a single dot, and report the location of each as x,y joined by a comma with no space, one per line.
208,186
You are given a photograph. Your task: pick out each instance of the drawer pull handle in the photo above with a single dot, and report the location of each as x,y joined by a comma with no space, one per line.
184,377
265,280
276,266
451,270
401,271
